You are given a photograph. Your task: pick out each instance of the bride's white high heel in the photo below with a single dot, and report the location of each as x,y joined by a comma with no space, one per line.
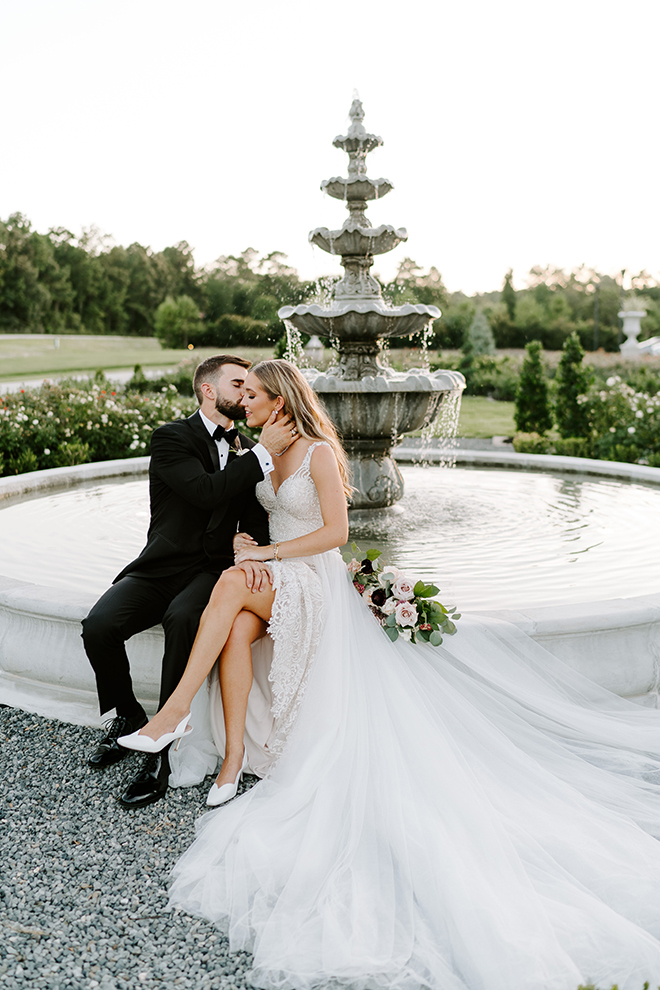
220,795
145,744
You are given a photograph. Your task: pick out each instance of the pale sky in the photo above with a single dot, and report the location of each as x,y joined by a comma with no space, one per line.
516,133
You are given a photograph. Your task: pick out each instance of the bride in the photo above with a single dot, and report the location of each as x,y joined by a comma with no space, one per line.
476,816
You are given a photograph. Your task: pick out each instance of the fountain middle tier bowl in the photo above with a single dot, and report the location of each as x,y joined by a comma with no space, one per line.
360,320
358,188
376,410
358,240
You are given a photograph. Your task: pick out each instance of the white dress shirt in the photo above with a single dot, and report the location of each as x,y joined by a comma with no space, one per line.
264,458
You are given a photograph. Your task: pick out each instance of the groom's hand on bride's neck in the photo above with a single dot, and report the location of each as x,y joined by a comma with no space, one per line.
278,434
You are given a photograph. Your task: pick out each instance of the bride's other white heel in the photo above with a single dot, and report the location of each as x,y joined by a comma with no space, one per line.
145,744
220,795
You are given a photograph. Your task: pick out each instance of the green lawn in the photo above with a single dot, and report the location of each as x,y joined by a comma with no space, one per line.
482,417
34,356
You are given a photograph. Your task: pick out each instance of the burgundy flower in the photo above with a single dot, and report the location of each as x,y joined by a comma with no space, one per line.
378,597
426,626
359,587
367,566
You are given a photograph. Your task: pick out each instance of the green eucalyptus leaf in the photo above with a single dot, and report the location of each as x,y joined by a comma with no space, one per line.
391,620
392,633
435,638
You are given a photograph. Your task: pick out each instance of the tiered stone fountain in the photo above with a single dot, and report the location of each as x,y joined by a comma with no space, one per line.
371,405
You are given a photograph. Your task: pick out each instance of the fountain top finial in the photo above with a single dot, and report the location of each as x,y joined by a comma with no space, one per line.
356,113
357,143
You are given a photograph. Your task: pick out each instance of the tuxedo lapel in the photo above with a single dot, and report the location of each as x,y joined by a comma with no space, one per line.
203,434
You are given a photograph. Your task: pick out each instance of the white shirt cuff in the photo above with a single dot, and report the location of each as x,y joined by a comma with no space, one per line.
264,458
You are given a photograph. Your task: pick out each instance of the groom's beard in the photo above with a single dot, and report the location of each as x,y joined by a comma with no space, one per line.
228,409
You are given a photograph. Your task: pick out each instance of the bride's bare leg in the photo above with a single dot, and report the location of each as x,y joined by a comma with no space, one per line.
235,682
229,597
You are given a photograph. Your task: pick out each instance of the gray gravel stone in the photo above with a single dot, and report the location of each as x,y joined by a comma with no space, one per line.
83,884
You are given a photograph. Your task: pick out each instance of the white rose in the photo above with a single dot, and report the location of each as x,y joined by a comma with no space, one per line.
354,566
389,606
389,574
406,614
406,634
403,588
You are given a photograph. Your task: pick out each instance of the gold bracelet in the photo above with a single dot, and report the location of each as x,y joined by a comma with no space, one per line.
276,554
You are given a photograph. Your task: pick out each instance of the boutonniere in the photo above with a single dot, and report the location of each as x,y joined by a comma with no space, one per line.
238,449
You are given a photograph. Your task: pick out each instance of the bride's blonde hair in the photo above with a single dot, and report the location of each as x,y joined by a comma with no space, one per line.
279,377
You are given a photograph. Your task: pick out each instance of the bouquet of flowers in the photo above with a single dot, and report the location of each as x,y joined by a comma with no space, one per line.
404,607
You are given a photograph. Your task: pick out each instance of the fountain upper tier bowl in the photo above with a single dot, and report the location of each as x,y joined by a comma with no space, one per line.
360,319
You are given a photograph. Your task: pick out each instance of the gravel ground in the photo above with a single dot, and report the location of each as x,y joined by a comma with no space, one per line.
83,882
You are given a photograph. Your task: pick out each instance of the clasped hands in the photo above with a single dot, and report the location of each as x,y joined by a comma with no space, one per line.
250,557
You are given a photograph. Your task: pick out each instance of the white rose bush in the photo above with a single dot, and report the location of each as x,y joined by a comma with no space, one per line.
403,606
74,422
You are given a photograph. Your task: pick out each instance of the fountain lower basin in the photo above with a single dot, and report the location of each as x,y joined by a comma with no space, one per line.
615,641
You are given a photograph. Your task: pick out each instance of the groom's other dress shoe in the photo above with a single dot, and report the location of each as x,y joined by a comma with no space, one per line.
150,784
108,750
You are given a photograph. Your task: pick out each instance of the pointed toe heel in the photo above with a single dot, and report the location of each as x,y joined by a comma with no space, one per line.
145,744
220,795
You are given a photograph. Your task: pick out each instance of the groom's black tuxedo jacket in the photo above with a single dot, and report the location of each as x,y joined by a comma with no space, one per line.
195,507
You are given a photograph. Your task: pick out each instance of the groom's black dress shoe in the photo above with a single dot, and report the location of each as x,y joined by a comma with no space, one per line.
108,750
150,784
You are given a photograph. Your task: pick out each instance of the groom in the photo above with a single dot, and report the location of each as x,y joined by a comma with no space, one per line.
201,493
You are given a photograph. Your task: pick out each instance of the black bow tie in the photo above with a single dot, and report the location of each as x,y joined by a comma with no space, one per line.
220,433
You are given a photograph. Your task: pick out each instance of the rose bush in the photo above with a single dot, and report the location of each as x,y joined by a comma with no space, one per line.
73,422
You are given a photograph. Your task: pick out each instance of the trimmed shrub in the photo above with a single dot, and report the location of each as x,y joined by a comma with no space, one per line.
573,446
570,391
532,443
480,335
532,413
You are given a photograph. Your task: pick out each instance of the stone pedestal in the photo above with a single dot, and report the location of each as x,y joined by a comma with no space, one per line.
632,326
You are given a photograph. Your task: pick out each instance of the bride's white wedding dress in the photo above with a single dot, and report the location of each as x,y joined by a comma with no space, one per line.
472,816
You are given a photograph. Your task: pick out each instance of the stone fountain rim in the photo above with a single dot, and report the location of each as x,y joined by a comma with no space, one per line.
377,305
591,636
415,381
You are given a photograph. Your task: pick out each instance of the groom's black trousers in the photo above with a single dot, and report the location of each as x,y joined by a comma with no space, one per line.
131,605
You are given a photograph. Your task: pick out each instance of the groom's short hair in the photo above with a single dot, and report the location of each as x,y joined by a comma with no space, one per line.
209,369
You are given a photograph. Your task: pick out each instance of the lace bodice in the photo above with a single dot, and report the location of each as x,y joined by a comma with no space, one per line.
294,510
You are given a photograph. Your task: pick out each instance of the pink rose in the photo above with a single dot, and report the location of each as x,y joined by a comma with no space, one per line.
354,566
403,588
406,614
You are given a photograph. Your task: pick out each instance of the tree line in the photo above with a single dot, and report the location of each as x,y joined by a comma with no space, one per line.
59,283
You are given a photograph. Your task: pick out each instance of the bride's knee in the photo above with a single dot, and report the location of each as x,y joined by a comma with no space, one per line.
231,582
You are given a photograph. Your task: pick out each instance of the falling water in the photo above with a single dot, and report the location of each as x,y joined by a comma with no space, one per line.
294,349
425,339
